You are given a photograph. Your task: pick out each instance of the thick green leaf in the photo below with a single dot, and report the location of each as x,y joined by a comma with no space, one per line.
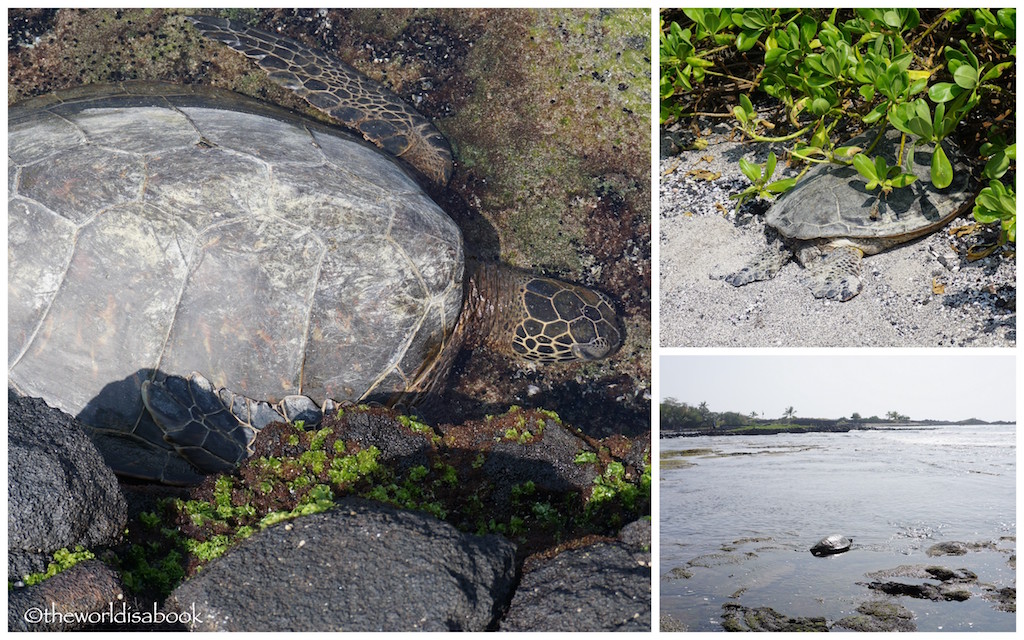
892,19
921,127
903,179
1007,19
756,19
772,56
751,170
814,63
966,77
917,86
740,115
833,63
769,167
806,152
793,31
782,186
746,40
864,166
985,216
877,113
881,168
971,58
997,165
819,138
996,71
943,91
903,60
942,170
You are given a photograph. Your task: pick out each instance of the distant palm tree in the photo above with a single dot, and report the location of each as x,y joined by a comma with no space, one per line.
789,413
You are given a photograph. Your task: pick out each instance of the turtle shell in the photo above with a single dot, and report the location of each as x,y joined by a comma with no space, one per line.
832,201
161,228
834,543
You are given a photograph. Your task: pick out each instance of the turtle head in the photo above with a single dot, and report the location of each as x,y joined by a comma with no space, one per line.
544,319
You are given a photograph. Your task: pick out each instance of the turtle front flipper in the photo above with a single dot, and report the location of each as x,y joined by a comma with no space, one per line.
764,266
837,274
210,428
338,90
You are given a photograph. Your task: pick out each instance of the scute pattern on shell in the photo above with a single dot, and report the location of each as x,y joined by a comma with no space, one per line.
200,230
832,201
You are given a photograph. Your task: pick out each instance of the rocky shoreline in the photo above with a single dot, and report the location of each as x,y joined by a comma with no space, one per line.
811,426
515,522
768,431
888,604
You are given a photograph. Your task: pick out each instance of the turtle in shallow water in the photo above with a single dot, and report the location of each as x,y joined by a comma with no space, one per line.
833,544
829,220
168,243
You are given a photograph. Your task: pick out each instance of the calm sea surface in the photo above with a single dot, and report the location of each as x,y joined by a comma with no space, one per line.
741,519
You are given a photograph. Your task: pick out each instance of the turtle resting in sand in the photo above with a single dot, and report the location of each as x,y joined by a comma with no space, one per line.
833,544
167,243
829,220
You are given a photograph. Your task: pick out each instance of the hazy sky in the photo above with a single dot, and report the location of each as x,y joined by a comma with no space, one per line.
942,387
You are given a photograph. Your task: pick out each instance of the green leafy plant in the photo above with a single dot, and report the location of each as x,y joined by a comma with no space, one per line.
998,204
760,176
880,174
867,67
62,561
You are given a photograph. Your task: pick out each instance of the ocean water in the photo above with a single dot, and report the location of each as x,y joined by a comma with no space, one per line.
741,514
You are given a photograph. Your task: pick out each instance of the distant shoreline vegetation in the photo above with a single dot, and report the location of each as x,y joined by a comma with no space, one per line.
680,419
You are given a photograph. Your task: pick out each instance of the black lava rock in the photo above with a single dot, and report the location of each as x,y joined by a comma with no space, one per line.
60,492
603,587
361,566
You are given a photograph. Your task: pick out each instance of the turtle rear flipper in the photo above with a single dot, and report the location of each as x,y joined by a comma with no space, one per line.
338,90
837,274
764,266
213,435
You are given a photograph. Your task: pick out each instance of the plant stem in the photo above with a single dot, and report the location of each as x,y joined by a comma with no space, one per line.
741,81
930,28
792,136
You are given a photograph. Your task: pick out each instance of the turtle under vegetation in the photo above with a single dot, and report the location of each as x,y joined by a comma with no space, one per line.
830,220
168,243
833,544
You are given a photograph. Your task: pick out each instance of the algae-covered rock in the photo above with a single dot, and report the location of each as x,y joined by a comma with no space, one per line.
879,615
736,617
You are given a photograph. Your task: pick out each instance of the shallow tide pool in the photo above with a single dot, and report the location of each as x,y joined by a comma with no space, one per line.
739,515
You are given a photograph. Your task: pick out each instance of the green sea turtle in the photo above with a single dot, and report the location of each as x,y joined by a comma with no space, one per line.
829,220
832,544
168,243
